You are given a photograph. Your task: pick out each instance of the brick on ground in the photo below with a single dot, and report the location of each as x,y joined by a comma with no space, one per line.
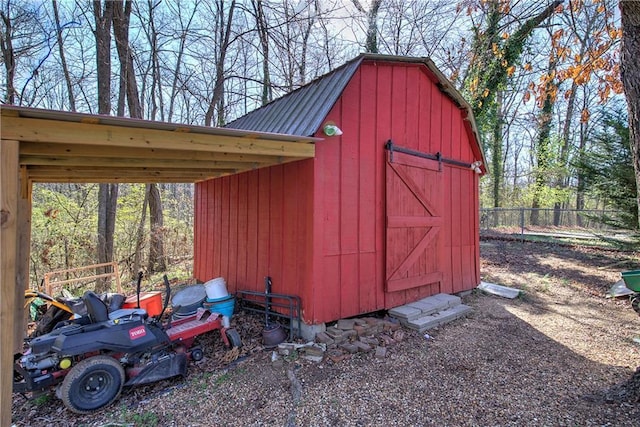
362,347
322,337
349,347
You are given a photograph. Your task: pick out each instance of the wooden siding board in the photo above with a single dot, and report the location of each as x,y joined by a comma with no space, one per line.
232,267
276,228
326,295
367,301
210,229
200,240
349,169
446,129
368,154
382,126
264,210
426,144
292,207
435,134
224,229
468,267
349,291
446,257
411,107
331,191
253,213
242,235
456,237
398,104
384,132
197,228
205,254
476,227
304,235
456,131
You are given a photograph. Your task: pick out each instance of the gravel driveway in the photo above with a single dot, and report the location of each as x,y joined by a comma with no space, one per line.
561,355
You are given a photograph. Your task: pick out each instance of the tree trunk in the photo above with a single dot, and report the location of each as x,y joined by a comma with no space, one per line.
102,34
128,87
543,152
225,37
371,45
137,257
496,152
107,203
581,187
263,35
157,260
630,72
176,72
107,193
9,59
63,59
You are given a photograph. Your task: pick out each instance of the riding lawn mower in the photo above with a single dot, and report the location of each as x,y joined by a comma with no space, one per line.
90,359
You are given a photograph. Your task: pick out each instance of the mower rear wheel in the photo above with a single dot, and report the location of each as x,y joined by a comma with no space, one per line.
92,384
234,338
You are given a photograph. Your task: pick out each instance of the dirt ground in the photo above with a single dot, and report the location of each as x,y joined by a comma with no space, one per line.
562,354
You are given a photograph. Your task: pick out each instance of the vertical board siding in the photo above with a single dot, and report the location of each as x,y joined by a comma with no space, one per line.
370,297
249,227
317,227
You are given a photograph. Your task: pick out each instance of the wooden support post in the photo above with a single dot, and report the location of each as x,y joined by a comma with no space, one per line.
23,254
9,196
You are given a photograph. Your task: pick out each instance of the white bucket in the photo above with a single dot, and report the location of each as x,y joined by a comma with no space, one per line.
216,288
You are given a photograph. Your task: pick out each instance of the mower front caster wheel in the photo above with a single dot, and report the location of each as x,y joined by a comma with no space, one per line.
197,354
234,338
92,384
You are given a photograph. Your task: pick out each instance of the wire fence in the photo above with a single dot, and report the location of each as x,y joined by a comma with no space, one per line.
527,218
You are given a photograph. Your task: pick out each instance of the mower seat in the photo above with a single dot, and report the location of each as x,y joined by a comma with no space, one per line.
98,311
96,308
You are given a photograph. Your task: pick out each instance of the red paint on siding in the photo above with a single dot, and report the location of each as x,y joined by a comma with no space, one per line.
317,227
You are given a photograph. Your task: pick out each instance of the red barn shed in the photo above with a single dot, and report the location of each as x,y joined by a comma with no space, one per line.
385,214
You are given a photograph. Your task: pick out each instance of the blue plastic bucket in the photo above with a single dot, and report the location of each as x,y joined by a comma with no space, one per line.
224,307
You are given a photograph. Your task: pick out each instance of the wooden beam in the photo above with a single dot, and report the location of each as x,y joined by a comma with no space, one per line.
77,174
41,130
71,150
9,191
149,163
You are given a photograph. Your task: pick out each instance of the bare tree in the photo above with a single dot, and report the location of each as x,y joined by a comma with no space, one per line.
63,59
107,193
8,55
224,25
263,35
128,86
371,44
157,258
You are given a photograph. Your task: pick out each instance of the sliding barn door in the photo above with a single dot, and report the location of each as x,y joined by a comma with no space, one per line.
414,244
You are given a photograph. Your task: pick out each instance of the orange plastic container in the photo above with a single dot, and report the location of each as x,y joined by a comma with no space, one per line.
150,301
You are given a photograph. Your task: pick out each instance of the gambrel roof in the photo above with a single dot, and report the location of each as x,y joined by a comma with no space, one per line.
302,111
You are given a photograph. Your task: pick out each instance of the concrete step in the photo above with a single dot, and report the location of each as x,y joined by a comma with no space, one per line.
430,312
425,306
